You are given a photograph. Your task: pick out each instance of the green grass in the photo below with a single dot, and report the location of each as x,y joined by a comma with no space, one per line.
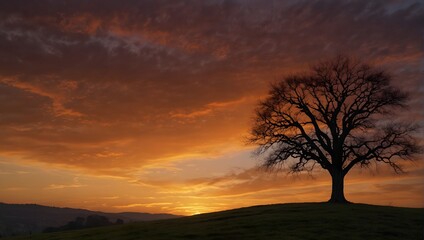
283,221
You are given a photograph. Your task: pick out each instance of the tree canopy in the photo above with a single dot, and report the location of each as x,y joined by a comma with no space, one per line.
339,114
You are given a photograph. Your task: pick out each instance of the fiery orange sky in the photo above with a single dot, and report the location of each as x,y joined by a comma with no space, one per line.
144,105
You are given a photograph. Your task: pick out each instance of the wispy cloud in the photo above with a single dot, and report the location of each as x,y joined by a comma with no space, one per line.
208,109
145,205
62,186
58,100
75,184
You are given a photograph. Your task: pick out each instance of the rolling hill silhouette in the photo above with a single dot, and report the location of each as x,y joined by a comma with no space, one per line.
282,221
17,219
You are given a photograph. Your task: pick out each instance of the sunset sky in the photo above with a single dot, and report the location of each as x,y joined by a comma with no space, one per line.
145,105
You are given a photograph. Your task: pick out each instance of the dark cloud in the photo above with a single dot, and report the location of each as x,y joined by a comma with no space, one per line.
140,80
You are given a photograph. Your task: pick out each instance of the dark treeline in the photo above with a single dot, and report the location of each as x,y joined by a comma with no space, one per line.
88,222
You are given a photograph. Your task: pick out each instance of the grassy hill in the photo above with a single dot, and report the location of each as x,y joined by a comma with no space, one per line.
283,221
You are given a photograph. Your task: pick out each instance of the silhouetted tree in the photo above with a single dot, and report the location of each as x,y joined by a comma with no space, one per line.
338,115
78,223
97,221
119,221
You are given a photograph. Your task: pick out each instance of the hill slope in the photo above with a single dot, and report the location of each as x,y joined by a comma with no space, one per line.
284,221
24,218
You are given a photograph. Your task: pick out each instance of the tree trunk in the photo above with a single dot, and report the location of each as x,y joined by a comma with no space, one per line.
337,191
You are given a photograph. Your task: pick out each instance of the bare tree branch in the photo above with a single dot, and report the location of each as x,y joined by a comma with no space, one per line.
337,116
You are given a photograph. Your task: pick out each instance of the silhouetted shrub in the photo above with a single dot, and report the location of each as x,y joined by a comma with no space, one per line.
80,222
119,221
97,221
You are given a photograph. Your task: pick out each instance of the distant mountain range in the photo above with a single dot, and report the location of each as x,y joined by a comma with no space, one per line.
18,219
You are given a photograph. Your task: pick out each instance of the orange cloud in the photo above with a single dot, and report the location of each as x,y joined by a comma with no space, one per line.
209,108
58,100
